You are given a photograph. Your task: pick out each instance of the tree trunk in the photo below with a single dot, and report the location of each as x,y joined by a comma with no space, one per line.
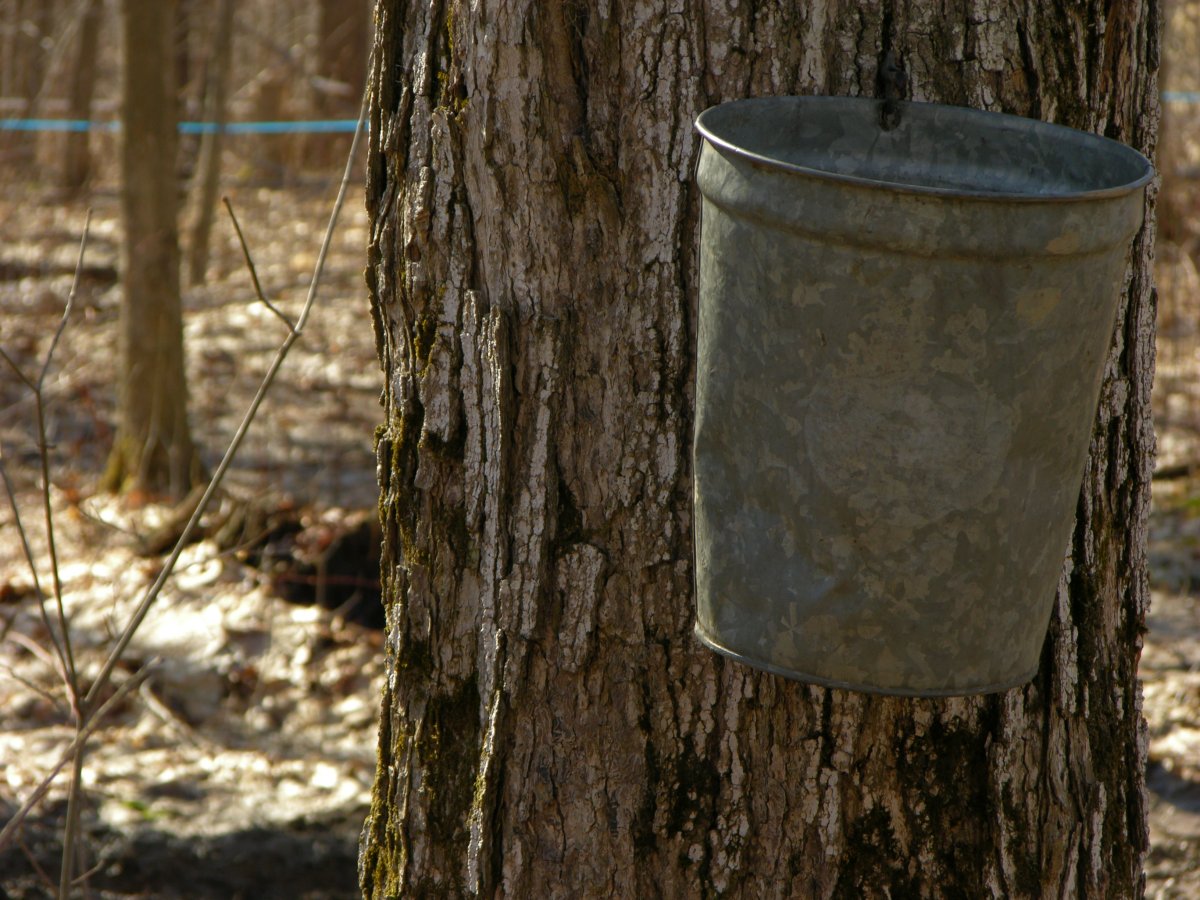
208,166
34,22
189,88
10,40
343,32
550,727
152,450
77,158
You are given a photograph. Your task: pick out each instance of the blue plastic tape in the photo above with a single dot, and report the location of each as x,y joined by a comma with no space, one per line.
314,126
56,125
309,126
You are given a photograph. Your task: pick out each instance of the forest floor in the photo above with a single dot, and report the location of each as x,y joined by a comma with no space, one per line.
1170,666
243,768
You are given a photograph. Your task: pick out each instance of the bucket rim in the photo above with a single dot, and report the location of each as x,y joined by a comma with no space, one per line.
862,687
1007,120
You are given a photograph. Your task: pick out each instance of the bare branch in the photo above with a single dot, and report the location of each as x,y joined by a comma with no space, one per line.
63,649
71,828
17,370
262,298
68,654
30,561
337,208
35,865
52,660
81,879
12,673
62,325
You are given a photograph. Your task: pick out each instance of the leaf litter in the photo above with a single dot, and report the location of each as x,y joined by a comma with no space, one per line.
244,765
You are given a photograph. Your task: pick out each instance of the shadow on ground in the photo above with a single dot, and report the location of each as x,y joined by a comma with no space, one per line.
308,861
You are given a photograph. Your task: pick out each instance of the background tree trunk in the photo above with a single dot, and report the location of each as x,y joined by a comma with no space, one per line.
77,158
208,164
343,44
550,727
31,49
152,450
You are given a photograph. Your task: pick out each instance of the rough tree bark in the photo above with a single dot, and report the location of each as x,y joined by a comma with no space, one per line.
153,449
550,727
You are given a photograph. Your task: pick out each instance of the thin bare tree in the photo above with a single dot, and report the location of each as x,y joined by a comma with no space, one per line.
77,158
208,165
153,449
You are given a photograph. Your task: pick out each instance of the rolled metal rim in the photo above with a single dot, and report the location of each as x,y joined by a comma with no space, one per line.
860,686
1141,171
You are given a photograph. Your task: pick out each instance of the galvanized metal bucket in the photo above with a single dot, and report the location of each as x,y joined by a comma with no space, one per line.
901,340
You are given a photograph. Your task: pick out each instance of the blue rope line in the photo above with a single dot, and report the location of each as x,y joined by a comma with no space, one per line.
312,126
315,126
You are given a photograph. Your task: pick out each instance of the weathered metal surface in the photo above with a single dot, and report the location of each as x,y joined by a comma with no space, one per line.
901,341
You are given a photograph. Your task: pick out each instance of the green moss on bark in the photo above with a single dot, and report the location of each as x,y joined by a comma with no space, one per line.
446,749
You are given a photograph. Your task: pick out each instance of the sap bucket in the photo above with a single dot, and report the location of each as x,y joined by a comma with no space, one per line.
901,340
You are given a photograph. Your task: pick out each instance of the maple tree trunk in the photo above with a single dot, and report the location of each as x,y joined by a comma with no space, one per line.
550,727
152,450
